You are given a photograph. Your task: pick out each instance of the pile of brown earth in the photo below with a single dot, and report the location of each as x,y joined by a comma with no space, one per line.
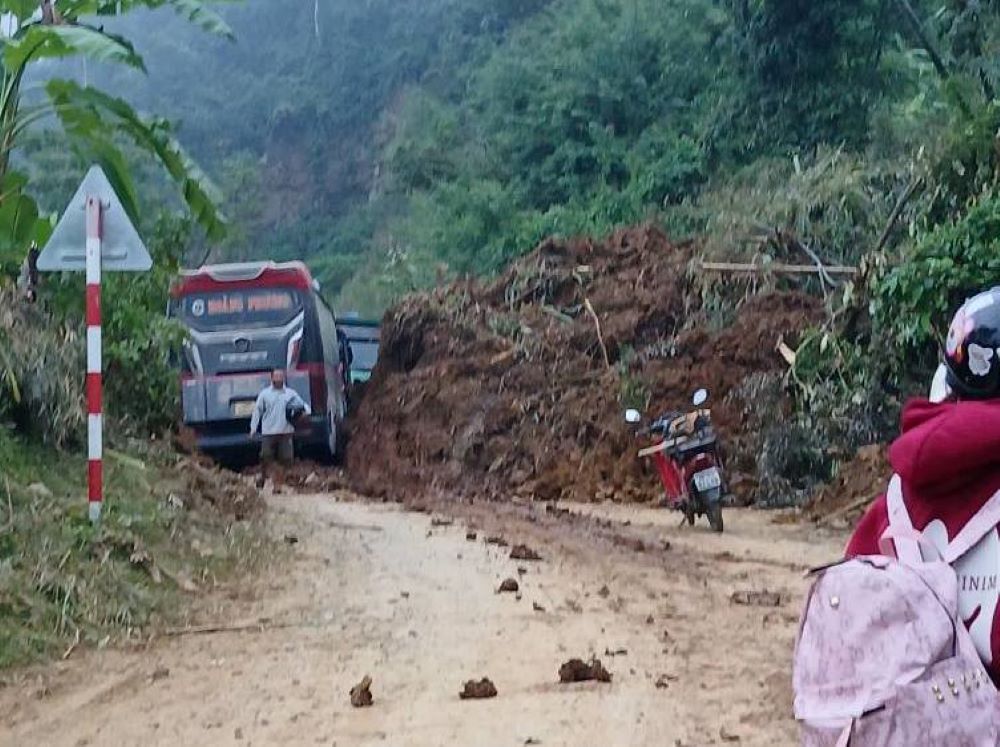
228,494
204,483
517,386
859,482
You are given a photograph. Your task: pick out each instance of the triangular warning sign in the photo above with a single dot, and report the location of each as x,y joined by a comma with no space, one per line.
121,248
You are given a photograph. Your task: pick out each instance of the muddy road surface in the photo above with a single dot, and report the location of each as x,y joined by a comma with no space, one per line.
696,630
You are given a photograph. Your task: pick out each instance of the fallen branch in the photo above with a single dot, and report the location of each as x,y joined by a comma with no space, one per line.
126,459
600,335
843,511
820,267
216,628
786,352
557,314
897,210
917,26
72,647
504,356
259,626
777,268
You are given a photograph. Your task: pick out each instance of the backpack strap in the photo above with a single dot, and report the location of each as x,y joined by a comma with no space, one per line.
927,548
905,537
982,522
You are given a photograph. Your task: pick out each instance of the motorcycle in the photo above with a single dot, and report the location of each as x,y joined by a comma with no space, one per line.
687,460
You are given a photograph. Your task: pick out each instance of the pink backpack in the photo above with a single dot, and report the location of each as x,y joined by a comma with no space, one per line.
883,657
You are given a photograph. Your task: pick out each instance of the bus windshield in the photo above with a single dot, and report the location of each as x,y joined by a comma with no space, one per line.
239,309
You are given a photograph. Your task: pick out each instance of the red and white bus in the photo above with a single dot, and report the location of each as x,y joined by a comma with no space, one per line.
245,320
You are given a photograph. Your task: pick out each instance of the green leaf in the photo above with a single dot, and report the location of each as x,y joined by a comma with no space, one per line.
40,42
203,17
193,10
22,9
17,219
91,115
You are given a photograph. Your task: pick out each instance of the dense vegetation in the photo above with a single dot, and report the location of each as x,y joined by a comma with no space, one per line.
863,131
394,143
63,581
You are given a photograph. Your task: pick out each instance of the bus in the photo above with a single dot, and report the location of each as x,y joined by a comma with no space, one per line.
243,321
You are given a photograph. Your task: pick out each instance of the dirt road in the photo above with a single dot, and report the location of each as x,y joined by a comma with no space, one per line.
374,589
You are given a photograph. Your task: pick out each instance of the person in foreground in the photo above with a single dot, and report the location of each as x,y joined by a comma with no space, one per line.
947,468
898,642
275,412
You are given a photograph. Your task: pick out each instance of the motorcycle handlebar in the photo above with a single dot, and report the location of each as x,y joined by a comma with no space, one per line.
662,424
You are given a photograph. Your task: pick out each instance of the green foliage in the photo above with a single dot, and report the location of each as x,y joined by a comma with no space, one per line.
40,42
565,100
813,71
834,202
426,147
395,145
41,381
140,378
87,115
633,389
914,301
65,582
95,118
140,342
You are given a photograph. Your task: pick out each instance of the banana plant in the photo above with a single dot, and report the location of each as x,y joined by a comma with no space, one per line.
34,30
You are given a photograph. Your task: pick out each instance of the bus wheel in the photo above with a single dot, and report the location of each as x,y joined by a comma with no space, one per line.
331,449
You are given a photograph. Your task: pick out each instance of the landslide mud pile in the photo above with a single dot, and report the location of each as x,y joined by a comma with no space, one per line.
517,386
858,483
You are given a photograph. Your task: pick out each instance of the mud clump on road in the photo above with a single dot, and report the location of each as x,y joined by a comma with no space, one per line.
361,693
517,386
480,690
577,670
752,598
523,552
508,586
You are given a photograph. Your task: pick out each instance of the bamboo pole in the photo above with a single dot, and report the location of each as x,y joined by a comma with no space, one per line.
777,268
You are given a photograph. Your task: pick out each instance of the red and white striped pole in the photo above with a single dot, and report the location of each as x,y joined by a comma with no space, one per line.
95,445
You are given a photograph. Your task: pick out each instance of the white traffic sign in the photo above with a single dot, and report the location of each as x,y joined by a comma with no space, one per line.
94,234
121,248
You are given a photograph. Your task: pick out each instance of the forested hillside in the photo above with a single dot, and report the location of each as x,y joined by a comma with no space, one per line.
397,143
392,141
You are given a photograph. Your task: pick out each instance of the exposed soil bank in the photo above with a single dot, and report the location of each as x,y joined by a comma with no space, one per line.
517,386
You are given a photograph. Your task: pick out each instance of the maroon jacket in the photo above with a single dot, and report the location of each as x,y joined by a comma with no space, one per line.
948,460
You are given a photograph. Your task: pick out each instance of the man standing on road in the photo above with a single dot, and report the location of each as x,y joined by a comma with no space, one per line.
275,413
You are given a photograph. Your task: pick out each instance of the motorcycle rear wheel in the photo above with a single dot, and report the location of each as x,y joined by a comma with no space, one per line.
715,517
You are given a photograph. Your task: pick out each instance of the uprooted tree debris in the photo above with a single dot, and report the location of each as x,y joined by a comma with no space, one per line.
517,386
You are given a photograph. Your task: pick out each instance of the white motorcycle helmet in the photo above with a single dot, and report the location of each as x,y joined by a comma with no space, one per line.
940,391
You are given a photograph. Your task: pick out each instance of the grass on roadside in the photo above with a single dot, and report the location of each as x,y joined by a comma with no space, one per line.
63,581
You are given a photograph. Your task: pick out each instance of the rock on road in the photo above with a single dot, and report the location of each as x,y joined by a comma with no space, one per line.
373,589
